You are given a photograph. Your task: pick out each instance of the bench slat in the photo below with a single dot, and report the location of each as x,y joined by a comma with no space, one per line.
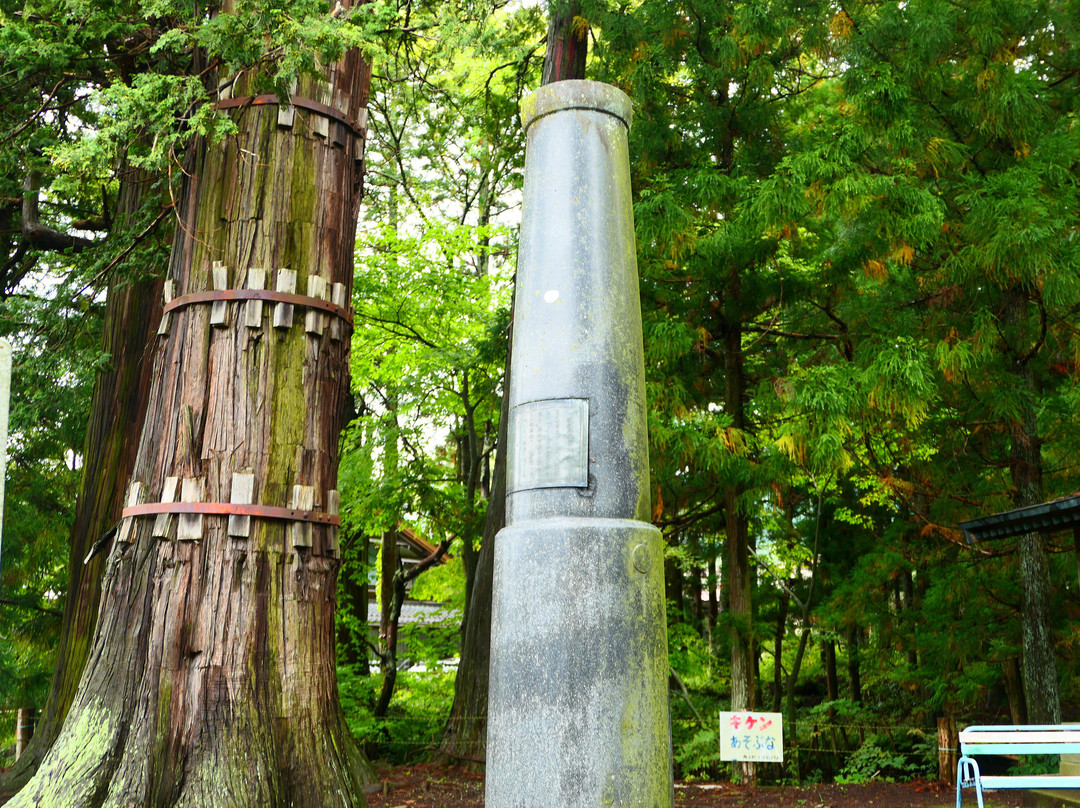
1017,748
994,782
1020,727
1019,737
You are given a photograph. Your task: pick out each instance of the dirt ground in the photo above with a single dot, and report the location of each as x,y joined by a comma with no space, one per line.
429,786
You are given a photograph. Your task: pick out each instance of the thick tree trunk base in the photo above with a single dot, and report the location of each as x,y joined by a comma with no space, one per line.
234,746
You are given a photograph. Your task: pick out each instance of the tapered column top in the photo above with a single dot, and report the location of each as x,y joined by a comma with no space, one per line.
576,94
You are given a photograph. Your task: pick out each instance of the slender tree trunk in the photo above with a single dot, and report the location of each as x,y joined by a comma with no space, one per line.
804,636
362,607
948,746
211,677
853,664
117,407
695,595
470,453
832,683
567,43
714,609
1025,468
388,565
778,650
388,562
740,605
796,667
25,721
402,579
390,642
910,617
352,634
1040,664
1014,688
465,734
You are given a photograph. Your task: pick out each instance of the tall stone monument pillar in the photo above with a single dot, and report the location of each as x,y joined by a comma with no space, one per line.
578,704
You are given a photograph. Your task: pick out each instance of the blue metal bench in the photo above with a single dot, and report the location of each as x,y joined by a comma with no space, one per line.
1014,740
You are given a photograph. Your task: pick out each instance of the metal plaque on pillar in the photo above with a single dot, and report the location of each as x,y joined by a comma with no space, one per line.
550,445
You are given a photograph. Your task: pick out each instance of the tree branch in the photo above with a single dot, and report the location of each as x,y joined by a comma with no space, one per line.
37,234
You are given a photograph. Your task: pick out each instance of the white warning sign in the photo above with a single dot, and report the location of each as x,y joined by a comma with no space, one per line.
752,736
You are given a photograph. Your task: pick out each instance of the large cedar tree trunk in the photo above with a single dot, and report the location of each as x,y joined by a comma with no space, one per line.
132,311
210,679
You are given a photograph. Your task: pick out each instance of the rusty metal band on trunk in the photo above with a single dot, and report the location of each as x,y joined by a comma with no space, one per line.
296,101
211,296
232,509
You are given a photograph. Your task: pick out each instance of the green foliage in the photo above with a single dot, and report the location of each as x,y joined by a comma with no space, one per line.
417,714
1036,764
892,757
443,584
699,755
55,357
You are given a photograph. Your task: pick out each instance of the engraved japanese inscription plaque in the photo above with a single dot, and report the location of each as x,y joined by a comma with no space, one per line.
550,444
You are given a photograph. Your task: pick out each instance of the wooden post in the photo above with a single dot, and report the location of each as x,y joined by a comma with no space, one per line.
287,112
948,744
25,720
315,320
337,297
243,489
333,507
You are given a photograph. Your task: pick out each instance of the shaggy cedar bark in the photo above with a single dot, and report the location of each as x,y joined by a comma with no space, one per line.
211,677
132,311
